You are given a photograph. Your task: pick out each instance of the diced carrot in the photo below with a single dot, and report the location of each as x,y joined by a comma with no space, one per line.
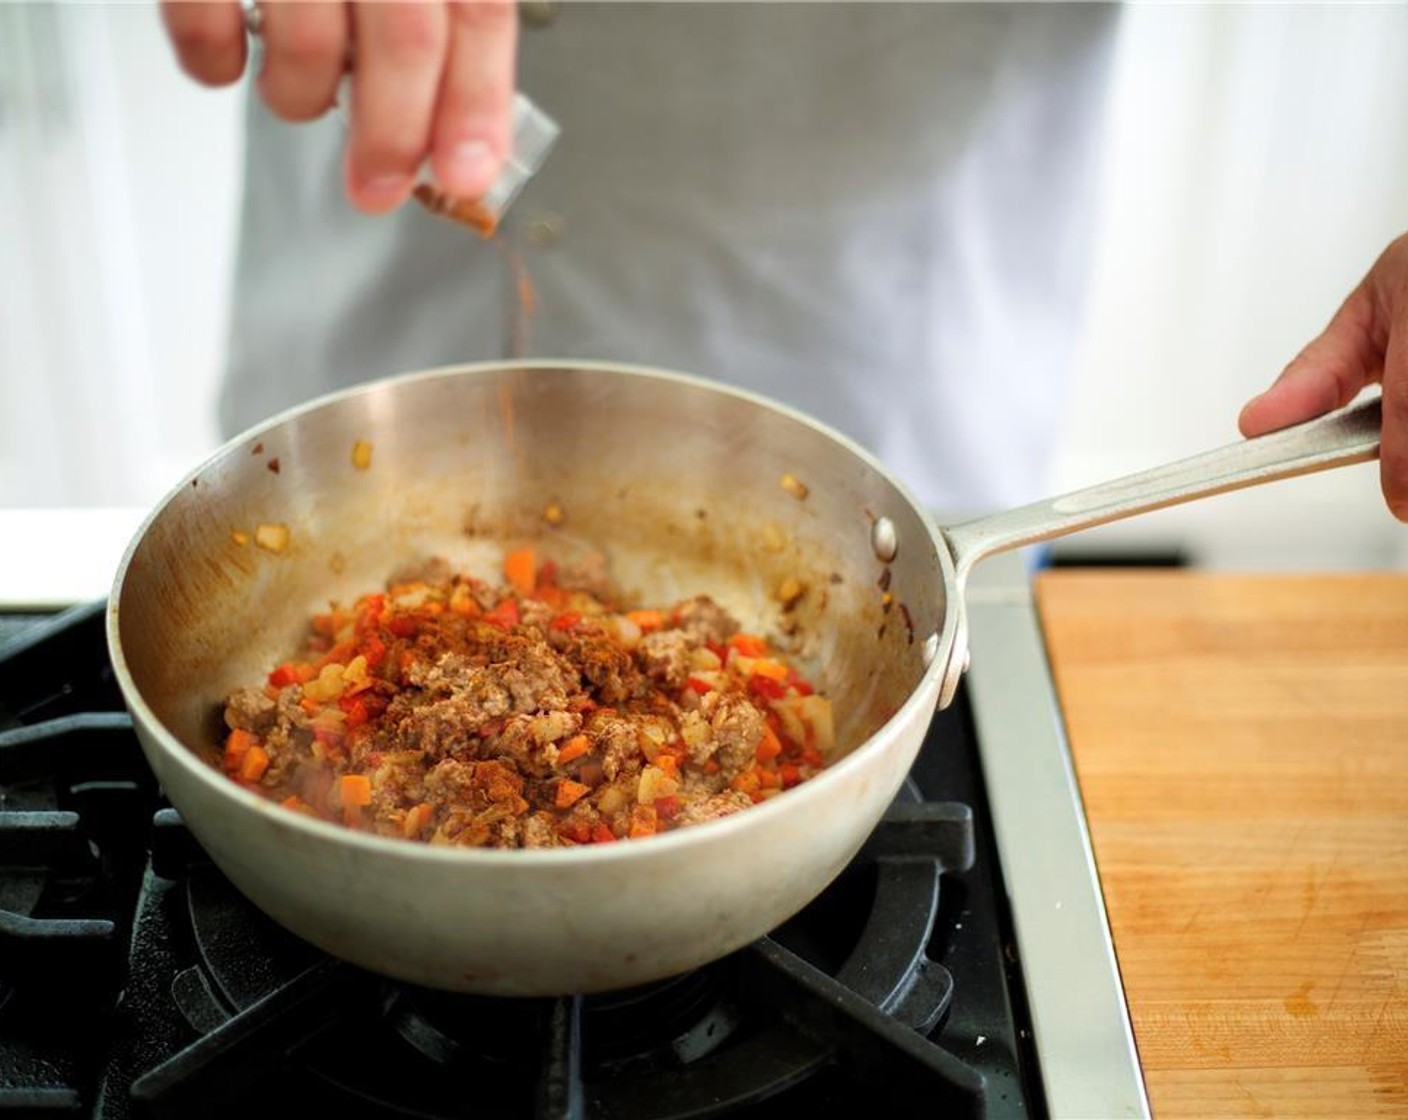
746,782
570,792
254,763
647,620
415,820
812,757
575,747
237,745
749,645
601,834
768,777
403,625
355,789
771,745
669,764
521,570
773,670
789,774
643,821
699,684
566,620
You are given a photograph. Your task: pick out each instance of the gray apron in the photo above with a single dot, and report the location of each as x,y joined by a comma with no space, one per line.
878,214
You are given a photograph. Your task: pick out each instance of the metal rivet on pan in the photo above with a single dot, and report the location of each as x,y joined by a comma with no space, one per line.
884,541
930,650
967,659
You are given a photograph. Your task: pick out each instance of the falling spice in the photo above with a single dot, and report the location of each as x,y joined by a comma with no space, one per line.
361,455
239,538
554,514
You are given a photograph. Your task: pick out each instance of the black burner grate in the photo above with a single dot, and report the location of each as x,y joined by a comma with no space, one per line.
135,981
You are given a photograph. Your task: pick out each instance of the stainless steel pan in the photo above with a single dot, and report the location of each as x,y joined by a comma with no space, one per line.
687,487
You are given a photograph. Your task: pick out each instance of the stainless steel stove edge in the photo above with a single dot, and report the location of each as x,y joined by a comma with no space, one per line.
1082,1034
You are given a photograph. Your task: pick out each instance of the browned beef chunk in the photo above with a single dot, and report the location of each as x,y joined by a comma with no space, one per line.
703,620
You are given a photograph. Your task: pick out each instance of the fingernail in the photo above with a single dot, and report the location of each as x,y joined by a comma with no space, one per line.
468,167
386,188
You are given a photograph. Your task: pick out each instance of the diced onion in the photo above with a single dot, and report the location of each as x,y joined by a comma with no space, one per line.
326,686
704,660
794,486
816,710
273,538
613,800
628,631
791,721
655,784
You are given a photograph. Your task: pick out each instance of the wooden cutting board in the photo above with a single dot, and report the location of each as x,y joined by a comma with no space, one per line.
1242,746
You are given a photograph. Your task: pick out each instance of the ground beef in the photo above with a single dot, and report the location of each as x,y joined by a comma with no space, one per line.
737,727
703,621
664,656
619,746
607,666
457,712
249,709
712,808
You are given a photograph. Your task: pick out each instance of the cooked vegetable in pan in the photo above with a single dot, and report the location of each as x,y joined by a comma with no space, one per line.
532,714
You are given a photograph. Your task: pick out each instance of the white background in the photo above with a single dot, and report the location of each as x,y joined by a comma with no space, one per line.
1256,162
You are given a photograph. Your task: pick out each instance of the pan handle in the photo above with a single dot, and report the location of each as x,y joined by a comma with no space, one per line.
1348,436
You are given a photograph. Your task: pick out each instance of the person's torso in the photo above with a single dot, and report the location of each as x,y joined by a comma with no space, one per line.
876,213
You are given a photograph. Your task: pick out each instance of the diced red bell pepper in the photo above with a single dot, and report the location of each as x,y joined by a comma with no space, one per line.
797,684
374,650
504,616
667,808
355,709
766,687
290,672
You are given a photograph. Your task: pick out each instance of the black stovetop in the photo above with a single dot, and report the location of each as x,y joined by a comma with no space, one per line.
136,981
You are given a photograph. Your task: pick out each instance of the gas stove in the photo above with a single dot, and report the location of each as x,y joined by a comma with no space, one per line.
961,966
